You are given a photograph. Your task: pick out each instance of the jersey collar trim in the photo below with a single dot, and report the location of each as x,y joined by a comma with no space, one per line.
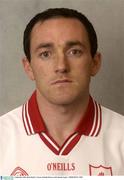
89,125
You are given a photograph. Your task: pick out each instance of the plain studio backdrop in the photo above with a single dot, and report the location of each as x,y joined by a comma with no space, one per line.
107,17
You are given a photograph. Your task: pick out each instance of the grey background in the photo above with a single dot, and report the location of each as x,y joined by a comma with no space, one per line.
107,17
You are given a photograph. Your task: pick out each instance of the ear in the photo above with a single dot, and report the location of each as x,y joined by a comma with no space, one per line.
28,68
96,64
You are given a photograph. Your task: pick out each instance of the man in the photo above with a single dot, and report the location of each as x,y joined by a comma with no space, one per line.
61,130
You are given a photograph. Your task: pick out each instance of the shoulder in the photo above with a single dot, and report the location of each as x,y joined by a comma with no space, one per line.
112,121
14,113
109,114
11,119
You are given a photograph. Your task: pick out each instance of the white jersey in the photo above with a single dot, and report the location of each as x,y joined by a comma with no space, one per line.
95,148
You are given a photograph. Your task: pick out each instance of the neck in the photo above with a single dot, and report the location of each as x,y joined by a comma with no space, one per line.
61,120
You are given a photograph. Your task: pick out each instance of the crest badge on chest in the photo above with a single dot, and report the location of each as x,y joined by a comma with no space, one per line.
100,170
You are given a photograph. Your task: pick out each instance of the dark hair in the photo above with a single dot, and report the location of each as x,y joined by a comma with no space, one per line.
59,12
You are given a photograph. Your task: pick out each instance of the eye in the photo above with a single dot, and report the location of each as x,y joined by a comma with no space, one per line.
75,52
45,55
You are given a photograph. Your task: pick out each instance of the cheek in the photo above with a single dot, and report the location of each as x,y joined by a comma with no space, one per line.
82,75
83,69
42,75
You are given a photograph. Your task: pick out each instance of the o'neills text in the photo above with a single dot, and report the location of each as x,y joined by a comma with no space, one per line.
61,166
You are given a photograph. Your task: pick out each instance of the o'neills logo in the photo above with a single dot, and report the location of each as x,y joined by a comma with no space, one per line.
61,166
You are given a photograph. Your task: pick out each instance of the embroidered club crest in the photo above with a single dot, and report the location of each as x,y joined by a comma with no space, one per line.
19,172
100,170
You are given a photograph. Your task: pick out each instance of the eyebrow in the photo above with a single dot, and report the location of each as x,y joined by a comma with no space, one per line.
75,43
44,45
68,45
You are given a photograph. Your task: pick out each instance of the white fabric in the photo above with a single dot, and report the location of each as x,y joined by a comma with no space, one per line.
101,155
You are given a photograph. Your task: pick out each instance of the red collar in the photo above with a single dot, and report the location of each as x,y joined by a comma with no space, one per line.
89,125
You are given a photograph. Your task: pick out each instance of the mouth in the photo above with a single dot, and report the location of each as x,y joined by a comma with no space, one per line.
61,81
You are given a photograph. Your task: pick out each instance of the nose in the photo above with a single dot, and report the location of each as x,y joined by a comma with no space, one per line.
62,65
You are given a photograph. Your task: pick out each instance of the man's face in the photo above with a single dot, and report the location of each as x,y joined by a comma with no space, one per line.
61,62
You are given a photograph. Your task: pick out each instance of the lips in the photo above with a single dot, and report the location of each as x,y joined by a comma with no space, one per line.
61,81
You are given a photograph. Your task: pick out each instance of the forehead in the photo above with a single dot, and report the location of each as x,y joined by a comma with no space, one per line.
59,30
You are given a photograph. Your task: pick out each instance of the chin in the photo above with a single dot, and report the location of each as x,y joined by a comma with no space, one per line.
63,100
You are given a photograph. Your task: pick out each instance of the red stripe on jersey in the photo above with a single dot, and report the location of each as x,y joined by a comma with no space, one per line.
36,118
86,122
71,145
50,146
52,140
65,148
25,119
96,120
100,119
